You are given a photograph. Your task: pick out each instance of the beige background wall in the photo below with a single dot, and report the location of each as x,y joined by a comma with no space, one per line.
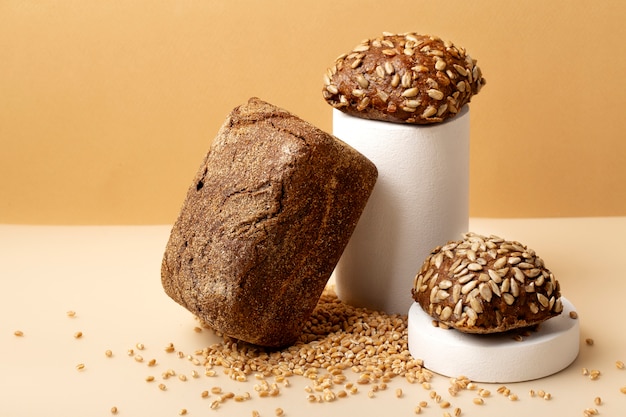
107,107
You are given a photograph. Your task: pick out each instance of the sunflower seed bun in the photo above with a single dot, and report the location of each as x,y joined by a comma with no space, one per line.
404,78
486,285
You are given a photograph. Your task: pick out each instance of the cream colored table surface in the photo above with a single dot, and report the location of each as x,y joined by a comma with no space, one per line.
110,276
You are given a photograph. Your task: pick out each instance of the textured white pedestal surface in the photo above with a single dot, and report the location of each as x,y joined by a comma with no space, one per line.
495,357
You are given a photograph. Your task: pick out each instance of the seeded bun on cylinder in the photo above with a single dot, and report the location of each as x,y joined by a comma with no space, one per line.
403,78
486,285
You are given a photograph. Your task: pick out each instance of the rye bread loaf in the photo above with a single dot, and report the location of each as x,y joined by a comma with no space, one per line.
486,285
403,78
264,224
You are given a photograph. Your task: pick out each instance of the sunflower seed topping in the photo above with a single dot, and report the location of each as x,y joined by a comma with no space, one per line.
495,277
508,298
440,65
411,92
388,66
406,79
363,83
476,280
543,300
435,94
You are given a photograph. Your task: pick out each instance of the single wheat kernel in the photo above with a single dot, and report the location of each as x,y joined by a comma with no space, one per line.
513,397
108,353
182,377
531,392
255,413
71,313
547,396
597,401
18,333
623,390
162,387
423,404
457,412
204,394
149,378
216,390
138,358
478,401
152,362
589,341
215,404
78,335
418,409
279,412
197,329
140,346
619,365
182,412
113,410
80,366
170,348
444,404
399,393
541,393
130,352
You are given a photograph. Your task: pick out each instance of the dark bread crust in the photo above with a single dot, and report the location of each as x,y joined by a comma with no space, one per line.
264,223
408,78
486,285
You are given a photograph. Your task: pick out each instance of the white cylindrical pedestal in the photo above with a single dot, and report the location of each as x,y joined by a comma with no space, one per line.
495,358
420,201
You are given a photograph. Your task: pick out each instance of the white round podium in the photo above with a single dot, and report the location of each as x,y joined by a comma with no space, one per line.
495,358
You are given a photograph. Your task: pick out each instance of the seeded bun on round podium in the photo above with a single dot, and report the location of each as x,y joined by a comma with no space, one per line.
486,285
490,309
